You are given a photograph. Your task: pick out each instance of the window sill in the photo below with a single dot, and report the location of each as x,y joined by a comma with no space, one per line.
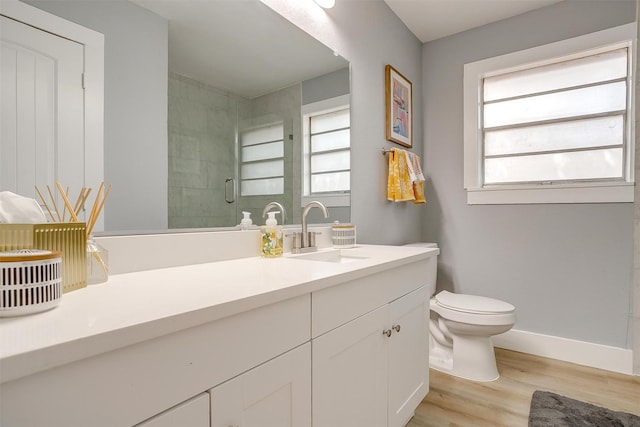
595,193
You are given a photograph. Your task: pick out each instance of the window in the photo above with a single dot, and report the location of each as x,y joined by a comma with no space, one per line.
262,160
553,124
327,153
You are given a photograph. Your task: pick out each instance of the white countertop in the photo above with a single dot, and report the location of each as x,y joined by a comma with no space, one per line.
134,307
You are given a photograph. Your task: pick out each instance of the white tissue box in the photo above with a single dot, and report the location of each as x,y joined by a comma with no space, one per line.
70,238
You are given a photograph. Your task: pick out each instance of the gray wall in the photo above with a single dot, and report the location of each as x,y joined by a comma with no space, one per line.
369,35
327,86
135,110
567,268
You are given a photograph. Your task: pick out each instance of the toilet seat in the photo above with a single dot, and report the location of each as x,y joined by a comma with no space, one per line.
473,303
472,309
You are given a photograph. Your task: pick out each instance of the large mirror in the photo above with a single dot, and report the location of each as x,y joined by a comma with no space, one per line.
258,111
255,75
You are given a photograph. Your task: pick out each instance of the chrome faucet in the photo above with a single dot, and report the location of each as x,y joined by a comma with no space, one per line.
305,241
283,211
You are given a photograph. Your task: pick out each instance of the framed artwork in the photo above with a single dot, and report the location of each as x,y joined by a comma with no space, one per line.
399,107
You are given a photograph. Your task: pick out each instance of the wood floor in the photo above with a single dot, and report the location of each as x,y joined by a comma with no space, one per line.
456,402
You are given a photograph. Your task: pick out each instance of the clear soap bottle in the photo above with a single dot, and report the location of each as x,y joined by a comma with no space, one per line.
245,222
271,237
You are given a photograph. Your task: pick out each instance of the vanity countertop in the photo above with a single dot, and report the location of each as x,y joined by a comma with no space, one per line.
133,307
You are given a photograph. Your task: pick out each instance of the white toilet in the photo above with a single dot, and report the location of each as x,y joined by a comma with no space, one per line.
461,327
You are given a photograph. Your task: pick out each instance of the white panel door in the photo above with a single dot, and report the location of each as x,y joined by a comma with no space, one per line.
275,394
408,355
192,413
42,110
350,373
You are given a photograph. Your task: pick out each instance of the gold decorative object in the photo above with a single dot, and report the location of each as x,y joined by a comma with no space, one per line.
68,238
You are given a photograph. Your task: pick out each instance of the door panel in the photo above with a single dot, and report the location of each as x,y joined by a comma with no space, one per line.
42,104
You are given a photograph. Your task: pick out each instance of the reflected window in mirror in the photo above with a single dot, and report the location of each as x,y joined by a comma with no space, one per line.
326,148
262,160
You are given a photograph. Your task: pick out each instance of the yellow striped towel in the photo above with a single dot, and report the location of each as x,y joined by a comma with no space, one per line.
399,185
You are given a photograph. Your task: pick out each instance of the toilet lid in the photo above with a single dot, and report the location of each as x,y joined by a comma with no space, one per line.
473,303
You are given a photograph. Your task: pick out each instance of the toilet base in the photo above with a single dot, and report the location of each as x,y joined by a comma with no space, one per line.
471,358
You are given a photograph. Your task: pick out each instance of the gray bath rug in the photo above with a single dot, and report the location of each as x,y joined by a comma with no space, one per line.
552,410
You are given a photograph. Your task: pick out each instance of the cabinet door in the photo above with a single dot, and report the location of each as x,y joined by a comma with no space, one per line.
408,356
350,373
275,394
192,413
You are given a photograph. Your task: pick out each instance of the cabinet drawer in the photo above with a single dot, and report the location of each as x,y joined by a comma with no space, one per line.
338,305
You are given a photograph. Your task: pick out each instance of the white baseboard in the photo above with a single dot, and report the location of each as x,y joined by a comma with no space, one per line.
579,352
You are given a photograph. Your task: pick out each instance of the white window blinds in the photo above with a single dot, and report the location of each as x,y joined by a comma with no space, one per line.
559,122
262,160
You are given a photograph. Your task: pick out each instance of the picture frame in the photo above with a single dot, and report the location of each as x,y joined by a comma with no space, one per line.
399,107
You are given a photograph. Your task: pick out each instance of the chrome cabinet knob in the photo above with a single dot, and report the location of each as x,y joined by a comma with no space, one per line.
387,332
396,327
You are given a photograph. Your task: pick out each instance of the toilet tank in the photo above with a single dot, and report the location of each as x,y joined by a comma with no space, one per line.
432,268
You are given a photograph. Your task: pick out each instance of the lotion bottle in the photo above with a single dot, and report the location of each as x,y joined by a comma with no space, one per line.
271,237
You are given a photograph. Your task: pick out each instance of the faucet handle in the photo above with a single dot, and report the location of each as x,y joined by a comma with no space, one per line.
296,241
312,238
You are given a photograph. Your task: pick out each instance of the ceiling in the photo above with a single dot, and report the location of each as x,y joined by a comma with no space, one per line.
434,19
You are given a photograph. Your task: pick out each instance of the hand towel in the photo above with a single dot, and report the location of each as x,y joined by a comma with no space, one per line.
399,185
416,176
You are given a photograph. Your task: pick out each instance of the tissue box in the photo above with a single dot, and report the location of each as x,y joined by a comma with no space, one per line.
69,238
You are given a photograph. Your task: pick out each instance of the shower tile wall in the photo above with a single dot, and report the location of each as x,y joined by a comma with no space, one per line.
202,125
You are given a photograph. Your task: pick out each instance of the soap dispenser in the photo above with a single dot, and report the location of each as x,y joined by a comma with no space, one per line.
271,237
245,222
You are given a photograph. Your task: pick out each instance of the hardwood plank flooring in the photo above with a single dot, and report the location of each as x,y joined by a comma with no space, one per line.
505,402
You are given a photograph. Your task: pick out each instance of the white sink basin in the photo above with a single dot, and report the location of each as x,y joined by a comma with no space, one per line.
337,256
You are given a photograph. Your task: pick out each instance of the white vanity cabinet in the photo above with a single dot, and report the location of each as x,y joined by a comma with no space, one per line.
275,394
192,413
373,369
247,342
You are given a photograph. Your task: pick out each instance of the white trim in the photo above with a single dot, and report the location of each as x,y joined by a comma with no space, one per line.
93,43
599,356
473,74
597,193
329,200
326,105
